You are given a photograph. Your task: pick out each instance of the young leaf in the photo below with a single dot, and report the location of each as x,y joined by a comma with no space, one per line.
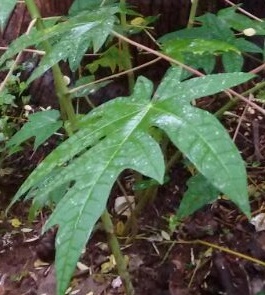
116,136
6,7
41,125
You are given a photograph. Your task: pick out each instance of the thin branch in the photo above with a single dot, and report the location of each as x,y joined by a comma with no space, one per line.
39,52
243,11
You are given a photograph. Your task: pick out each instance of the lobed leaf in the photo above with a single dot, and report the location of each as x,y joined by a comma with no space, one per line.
195,88
95,26
205,142
116,136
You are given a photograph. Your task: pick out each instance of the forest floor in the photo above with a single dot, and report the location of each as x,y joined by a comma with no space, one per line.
215,251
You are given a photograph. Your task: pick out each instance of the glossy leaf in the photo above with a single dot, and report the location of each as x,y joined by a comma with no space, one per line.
74,36
117,136
93,32
204,141
177,47
206,61
197,87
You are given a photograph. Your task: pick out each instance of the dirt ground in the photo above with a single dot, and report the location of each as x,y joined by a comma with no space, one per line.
215,251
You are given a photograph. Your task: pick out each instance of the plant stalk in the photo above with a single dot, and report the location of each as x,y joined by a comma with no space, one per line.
126,49
115,249
192,15
66,107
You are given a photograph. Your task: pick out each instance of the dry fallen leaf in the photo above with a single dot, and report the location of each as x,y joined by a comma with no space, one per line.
116,283
26,230
122,207
259,222
81,266
40,264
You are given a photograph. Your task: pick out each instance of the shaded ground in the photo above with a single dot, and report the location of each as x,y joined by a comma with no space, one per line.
195,259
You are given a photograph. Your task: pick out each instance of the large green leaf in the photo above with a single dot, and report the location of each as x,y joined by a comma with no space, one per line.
195,88
72,46
70,39
116,136
6,7
204,141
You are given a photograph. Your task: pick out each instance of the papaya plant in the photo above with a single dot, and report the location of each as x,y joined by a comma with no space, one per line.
117,135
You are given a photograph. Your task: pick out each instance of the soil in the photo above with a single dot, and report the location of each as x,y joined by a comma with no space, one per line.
204,255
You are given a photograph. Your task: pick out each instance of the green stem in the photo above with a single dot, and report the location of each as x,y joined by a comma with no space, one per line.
126,49
192,16
67,110
115,249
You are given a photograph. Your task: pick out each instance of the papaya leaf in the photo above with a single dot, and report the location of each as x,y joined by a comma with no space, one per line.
206,61
214,37
196,88
116,136
74,35
76,42
177,47
217,28
6,7
41,125
204,141
246,46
